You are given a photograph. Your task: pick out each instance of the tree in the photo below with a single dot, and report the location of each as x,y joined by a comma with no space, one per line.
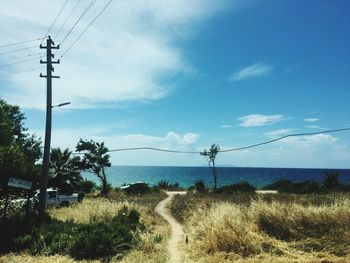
95,160
210,155
19,151
65,169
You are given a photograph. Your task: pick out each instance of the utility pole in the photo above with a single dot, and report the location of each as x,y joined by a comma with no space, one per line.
46,160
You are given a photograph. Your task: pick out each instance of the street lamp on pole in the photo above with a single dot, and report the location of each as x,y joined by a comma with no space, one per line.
61,104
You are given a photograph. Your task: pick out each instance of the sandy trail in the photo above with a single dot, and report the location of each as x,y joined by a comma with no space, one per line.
176,229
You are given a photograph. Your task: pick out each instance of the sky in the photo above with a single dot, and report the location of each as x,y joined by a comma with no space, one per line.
186,74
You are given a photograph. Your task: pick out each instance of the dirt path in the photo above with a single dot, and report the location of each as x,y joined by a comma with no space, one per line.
176,229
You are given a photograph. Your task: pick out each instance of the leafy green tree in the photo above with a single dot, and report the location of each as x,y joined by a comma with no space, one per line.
19,151
210,155
95,160
65,169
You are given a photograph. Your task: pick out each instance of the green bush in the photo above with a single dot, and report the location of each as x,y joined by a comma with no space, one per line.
87,186
331,180
286,186
237,187
138,189
200,186
165,185
82,241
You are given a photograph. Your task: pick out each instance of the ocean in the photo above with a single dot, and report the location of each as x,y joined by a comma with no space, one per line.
187,176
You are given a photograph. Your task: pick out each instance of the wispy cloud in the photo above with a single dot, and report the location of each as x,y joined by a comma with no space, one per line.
256,70
126,56
260,120
311,119
312,126
225,126
279,132
306,141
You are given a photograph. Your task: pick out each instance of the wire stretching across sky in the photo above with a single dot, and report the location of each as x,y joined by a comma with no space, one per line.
19,43
54,21
232,149
76,22
82,33
67,18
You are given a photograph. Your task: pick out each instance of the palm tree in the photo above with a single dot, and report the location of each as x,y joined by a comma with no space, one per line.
65,170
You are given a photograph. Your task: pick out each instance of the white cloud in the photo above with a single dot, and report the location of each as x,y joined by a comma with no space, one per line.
280,132
310,140
256,70
260,120
127,54
313,126
311,119
225,126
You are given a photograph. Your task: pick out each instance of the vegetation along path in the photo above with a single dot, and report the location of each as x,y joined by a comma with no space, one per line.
176,229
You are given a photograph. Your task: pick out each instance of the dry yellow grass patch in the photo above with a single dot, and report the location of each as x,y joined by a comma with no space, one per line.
25,258
99,208
270,232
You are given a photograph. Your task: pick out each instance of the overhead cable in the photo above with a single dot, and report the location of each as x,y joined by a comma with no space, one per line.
284,137
232,149
16,50
21,71
76,22
19,43
54,22
82,33
66,20
19,62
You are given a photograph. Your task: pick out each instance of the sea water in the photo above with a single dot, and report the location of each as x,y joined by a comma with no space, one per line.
187,176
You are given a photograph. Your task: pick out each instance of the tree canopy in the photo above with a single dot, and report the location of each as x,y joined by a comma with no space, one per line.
65,171
95,159
19,151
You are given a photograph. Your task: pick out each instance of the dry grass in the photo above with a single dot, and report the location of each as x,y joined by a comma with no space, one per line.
25,258
270,232
153,245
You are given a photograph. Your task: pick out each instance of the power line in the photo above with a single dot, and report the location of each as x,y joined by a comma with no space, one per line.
232,149
283,137
19,43
21,71
150,148
28,55
68,17
54,22
76,22
82,33
18,62
17,50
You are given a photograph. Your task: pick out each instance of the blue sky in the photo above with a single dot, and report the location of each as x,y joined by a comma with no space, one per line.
186,74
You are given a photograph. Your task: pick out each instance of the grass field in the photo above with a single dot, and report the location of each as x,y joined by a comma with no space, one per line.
151,249
270,228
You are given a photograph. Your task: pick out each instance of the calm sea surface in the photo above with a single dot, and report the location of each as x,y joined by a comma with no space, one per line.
187,176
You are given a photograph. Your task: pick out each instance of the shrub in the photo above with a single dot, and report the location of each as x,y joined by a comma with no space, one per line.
96,239
199,186
287,186
331,180
87,186
237,187
138,189
166,185
163,184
